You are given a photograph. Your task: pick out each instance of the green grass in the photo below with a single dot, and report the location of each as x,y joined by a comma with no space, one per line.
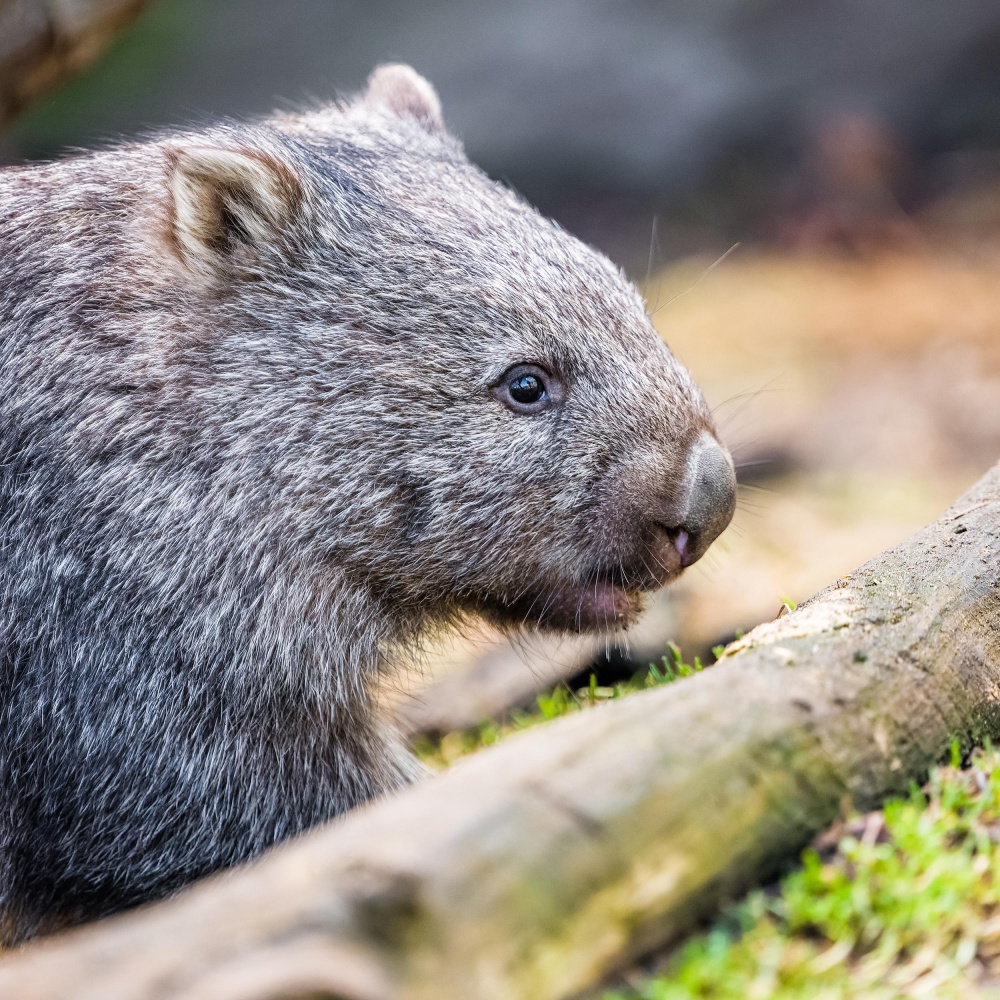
899,903
908,904
440,753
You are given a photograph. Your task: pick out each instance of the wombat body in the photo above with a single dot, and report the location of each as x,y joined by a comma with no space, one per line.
276,399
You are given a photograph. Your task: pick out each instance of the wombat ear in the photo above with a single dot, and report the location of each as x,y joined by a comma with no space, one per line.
226,201
400,89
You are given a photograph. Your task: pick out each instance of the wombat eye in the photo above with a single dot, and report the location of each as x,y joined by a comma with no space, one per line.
525,389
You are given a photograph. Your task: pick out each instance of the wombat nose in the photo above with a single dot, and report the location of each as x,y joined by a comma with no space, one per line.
710,502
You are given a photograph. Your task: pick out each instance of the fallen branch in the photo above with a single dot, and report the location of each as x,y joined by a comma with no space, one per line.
506,677
512,673
43,41
532,869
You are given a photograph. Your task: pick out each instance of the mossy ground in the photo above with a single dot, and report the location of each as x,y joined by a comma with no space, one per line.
563,700
897,903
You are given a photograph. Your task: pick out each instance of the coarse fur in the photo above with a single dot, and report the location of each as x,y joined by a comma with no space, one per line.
251,447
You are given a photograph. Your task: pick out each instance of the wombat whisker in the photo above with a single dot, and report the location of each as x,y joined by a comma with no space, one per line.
645,566
748,394
748,401
654,243
707,570
524,642
530,608
735,449
754,488
704,274
740,466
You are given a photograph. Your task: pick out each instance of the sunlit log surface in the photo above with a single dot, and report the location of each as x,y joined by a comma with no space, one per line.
43,41
535,867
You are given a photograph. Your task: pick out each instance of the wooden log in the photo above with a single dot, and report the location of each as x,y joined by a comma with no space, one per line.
505,677
534,868
511,674
43,41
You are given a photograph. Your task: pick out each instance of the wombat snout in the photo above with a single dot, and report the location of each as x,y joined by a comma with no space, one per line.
693,523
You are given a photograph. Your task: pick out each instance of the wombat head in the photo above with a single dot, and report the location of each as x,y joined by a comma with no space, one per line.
470,408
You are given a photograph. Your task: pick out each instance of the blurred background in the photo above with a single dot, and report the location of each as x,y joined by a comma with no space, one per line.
808,193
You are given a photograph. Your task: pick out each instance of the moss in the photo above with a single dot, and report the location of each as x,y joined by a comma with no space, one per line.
562,700
906,903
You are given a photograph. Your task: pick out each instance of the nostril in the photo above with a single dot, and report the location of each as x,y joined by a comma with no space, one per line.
682,542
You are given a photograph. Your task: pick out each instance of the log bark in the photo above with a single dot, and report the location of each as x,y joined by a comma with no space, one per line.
535,867
43,41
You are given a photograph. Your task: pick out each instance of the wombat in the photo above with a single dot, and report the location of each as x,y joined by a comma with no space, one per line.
277,399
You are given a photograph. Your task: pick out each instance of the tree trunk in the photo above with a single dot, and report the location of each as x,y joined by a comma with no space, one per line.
535,867
42,41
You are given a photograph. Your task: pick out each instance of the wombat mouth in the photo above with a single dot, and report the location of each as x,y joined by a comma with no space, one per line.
599,605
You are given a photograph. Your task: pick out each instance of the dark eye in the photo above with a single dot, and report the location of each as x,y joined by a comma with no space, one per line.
527,389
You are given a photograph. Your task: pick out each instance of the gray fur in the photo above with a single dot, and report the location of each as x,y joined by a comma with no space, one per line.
250,450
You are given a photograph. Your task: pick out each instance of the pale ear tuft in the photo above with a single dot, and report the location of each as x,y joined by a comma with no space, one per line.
400,89
226,200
